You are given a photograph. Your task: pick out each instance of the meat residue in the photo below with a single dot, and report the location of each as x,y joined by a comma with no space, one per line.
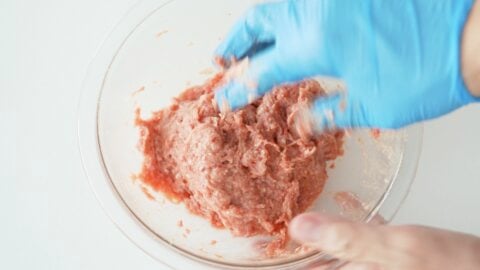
138,91
161,33
375,133
248,170
147,193
348,201
351,204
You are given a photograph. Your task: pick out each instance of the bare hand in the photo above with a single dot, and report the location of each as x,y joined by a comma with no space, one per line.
386,247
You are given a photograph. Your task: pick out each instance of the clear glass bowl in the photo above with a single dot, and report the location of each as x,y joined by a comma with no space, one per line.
155,52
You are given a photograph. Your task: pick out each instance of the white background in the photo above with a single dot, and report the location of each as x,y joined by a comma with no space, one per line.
49,218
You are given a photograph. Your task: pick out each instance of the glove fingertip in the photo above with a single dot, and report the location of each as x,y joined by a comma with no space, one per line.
236,43
231,97
332,112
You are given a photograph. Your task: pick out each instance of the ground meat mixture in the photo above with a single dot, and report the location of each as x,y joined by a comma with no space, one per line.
249,170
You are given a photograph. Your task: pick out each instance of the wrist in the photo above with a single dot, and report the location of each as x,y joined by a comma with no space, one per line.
470,51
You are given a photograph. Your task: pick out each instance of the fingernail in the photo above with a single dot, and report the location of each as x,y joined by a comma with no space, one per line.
307,228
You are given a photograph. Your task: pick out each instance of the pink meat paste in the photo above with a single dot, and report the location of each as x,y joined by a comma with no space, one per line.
248,170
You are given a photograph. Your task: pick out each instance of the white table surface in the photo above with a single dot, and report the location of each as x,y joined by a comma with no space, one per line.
50,218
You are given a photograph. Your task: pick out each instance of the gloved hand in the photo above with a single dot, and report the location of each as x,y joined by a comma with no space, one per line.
399,59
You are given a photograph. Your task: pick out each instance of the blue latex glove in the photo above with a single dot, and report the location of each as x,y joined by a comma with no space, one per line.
399,59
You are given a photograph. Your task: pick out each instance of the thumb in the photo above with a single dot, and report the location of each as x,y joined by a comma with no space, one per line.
343,239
